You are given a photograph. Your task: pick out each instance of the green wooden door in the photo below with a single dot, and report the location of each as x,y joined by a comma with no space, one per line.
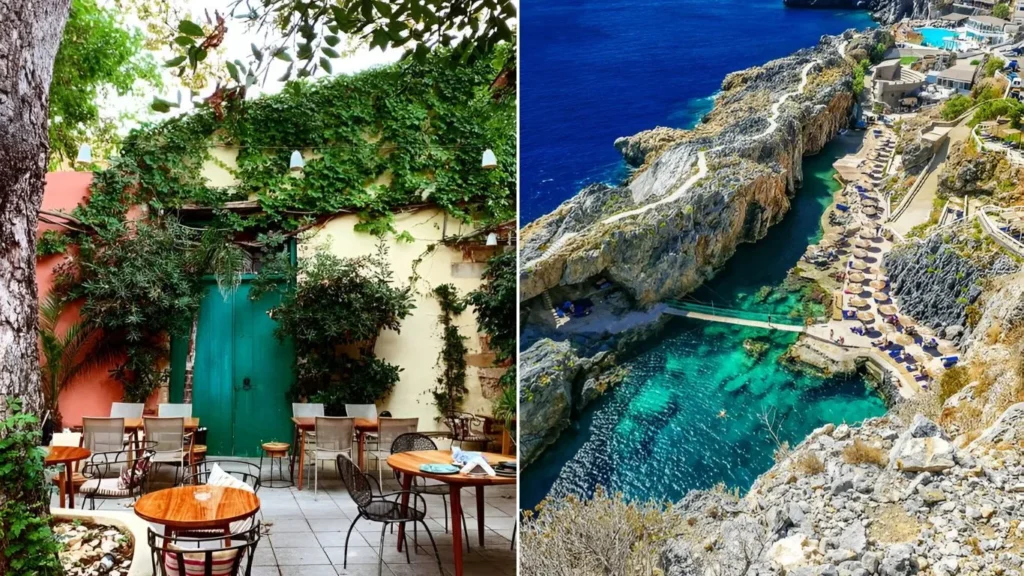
242,373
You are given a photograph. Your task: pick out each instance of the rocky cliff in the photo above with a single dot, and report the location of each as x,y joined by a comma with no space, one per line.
885,498
697,194
885,11
938,281
973,172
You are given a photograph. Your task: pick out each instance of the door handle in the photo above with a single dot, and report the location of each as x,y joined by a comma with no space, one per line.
246,383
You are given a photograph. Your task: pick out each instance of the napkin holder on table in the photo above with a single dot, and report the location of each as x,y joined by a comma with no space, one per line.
478,466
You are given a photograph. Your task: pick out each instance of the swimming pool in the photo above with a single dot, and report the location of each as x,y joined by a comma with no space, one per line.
935,37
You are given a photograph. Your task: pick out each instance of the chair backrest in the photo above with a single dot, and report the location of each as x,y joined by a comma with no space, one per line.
304,410
412,442
174,410
185,556
167,434
335,434
391,428
103,434
245,471
368,411
111,464
126,410
358,486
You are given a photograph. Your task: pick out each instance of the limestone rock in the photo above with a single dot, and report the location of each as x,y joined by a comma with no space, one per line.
931,454
546,395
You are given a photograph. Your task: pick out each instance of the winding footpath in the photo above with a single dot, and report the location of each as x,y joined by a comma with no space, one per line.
702,168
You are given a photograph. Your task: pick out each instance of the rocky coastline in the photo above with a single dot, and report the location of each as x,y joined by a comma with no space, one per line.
884,11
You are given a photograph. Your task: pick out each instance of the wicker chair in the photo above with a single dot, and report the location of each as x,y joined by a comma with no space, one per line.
334,437
381,509
387,431
465,427
103,478
413,442
204,556
103,434
168,436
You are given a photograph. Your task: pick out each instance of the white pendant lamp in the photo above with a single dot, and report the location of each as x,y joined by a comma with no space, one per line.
297,163
489,161
84,154
492,239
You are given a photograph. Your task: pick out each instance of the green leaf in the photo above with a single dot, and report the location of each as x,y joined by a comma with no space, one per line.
233,72
287,74
282,54
184,41
257,53
176,61
330,52
190,28
326,65
332,40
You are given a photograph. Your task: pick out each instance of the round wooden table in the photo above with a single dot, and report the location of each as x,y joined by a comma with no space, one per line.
188,508
408,463
67,455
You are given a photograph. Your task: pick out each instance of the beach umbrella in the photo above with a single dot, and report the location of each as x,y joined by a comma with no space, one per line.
907,320
869,210
865,316
856,277
861,243
878,284
880,296
887,309
886,328
902,339
854,288
869,202
858,302
922,358
851,229
858,265
860,253
867,233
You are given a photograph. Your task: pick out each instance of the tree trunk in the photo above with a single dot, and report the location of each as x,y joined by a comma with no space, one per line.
30,33
190,362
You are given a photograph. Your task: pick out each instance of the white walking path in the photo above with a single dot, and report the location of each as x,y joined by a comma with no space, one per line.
702,168
731,320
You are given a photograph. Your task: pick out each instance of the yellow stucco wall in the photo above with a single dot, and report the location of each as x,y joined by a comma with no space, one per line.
416,347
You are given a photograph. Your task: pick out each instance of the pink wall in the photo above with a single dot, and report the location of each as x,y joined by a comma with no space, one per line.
90,393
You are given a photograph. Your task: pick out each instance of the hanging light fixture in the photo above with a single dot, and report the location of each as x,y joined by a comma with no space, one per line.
492,239
489,161
297,163
84,154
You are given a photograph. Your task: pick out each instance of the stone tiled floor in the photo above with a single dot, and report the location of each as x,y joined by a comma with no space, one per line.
305,534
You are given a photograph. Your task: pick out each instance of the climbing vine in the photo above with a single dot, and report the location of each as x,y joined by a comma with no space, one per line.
391,137
450,389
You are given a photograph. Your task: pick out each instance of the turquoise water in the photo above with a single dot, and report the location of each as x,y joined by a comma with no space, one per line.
688,416
935,37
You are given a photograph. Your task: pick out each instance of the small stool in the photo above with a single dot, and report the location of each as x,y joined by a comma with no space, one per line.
275,451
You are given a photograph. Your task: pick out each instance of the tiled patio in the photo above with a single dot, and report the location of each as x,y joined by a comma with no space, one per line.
305,535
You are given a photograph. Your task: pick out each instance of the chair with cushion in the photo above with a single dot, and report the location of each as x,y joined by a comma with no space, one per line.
126,410
388,429
168,438
334,437
116,475
465,427
414,442
381,508
60,481
214,555
103,434
174,410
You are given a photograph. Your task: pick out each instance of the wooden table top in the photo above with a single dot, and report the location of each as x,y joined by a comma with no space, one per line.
309,423
65,454
409,462
197,507
191,424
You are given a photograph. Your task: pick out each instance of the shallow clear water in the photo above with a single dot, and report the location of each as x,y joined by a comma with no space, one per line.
935,37
662,431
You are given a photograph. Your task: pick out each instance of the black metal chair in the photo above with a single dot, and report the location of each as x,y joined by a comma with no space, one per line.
415,441
245,471
466,427
378,508
204,556
103,475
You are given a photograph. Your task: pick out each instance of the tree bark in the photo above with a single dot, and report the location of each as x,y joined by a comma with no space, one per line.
30,33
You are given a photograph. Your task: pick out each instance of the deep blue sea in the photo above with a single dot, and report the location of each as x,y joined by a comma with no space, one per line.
594,70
